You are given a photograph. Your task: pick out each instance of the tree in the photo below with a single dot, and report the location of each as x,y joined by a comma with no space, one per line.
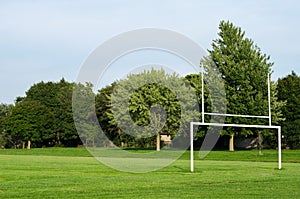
65,127
4,110
103,110
28,122
44,116
244,69
195,80
4,137
85,117
143,104
289,90
57,96
45,93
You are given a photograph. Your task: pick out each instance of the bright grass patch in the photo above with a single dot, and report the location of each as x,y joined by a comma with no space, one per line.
37,174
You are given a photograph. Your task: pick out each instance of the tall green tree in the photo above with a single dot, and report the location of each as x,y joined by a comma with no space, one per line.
46,104
28,122
64,120
57,96
195,80
289,90
85,117
244,69
153,104
103,111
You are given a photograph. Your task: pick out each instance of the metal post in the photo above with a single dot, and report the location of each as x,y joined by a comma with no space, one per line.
269,101
202,92
192,146
238,126
279,148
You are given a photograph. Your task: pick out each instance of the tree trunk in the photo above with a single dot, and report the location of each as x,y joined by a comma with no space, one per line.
28,144
260,141
23,145
158,142
231,142
58,138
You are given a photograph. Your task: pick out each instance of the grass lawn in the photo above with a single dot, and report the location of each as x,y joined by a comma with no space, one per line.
72,173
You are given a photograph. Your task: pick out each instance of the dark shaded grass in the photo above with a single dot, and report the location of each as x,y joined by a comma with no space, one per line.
239,155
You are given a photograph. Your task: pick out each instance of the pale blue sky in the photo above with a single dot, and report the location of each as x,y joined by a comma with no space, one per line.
48,40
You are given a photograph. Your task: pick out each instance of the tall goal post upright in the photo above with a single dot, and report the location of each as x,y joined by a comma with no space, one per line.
269,100
192,146
202,94
203,123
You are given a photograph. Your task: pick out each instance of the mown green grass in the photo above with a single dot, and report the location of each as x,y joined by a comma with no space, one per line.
72,173
53,151
239,155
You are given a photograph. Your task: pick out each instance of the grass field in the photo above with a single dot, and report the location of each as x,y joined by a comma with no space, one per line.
73,173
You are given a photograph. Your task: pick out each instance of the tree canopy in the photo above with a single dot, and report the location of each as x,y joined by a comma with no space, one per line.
289,90
149,106
136,110
244,69
44,116
28,121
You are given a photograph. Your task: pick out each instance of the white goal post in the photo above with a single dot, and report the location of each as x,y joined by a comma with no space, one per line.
269,117
232,125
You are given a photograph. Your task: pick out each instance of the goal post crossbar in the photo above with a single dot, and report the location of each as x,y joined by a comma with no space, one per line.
235,115
231,125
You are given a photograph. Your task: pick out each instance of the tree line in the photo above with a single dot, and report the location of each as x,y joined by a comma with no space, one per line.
44,117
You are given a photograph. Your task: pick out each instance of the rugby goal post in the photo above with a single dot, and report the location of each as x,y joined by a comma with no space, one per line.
232,125
203,123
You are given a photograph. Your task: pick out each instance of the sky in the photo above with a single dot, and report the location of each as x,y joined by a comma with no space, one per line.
48,40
